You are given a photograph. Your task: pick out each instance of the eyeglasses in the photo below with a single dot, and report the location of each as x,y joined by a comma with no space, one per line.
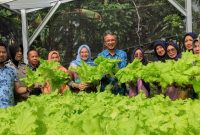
171,50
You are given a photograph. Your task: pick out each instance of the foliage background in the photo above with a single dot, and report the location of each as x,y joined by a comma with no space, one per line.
85,21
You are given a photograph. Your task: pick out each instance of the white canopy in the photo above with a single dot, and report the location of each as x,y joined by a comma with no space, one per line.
5,1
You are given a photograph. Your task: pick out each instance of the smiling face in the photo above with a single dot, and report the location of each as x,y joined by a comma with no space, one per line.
171,51
110,41
138,54
84,54
160,50
196,48
188,42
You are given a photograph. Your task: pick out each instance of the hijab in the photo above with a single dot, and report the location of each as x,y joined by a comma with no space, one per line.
78,59
178,55
156,56
51,53
192,34
62,68
144,61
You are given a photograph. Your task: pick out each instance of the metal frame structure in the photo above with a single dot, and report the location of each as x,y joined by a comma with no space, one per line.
5,1
187,12
26,6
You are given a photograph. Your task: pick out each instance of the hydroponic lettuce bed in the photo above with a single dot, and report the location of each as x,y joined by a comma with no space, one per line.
101,114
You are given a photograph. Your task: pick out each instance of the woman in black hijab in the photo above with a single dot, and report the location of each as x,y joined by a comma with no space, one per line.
188,40
140,85
159,50
173,51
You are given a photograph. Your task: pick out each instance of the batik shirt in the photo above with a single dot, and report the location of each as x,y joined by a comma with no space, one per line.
8,77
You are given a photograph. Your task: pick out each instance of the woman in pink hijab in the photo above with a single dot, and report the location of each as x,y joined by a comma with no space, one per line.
55,56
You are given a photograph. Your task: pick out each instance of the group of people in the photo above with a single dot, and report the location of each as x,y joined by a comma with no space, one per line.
166,51
12,68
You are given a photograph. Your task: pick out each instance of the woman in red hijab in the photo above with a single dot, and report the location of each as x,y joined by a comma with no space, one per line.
55,56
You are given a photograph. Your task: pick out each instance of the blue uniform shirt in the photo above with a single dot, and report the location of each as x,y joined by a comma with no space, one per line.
119,54
8,77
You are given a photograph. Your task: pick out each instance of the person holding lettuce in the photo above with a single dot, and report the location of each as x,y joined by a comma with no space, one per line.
111,52
140,85
83,54
55,56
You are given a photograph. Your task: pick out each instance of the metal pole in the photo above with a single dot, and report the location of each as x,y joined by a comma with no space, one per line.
24,34
44,22
187,12
188,5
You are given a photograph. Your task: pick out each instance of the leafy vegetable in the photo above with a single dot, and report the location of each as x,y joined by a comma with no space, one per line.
47,71
101,113
181,72
131,72
93,74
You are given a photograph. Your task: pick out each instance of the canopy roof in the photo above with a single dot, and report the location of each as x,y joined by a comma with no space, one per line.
24,7
30,4
5,1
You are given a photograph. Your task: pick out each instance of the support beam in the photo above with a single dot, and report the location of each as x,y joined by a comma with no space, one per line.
30,7
187,12
44,22
32,10
24,34
62,1
7,7
188,5
178,6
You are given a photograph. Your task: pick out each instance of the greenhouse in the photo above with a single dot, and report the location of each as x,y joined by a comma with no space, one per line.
99,67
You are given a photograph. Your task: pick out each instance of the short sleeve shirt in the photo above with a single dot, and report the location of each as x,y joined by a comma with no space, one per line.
119,54
8,77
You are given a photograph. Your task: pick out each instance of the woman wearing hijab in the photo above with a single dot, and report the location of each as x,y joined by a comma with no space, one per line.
159,51
196,51
55,56
196,46
160,54
138,53
174,92
173,51
173,54
83,54
188,40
